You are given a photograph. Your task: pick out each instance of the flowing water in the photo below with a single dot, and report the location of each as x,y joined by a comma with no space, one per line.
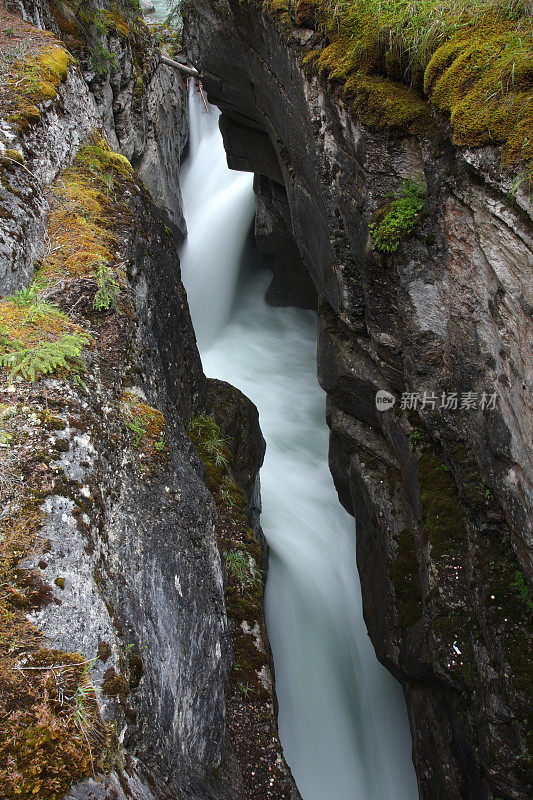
161,11
342,718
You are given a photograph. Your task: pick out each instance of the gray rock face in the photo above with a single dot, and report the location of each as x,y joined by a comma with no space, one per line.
442,497
47,147
134,546
132,561
142,110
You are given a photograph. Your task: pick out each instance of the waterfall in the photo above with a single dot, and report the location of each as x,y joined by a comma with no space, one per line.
342,719
219,209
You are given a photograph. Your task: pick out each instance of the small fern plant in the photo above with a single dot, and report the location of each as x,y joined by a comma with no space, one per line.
108,288
37,308
43,358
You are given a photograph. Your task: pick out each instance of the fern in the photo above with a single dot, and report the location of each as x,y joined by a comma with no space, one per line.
24,297
45,357
108,288
401,216
28,298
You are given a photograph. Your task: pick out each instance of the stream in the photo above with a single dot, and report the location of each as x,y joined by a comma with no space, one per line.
342,717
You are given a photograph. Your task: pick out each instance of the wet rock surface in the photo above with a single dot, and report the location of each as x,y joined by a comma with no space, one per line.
441,494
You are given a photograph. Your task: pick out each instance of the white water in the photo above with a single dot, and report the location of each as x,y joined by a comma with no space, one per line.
161,12
342,718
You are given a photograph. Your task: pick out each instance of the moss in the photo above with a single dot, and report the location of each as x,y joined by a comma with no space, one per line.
404,575
249,661
81,226
136,669
473,487
306,14
65,18
37,79
451,628
13,155
506,597
350,61
442,516
147,425
114,19
474,63
115,685
60,582
104,651
484,77
211,445
25,116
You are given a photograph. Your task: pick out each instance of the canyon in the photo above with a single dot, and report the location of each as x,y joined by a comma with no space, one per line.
129,502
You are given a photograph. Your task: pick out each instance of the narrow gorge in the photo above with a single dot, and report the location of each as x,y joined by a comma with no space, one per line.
162,609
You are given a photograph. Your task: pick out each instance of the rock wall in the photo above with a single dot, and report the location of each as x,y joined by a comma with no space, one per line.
442,496
141,106
115,648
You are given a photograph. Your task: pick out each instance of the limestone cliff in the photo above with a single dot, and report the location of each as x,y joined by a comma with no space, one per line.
441,495
115,648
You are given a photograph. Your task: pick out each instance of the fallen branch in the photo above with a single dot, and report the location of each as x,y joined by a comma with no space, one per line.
190,71
203,98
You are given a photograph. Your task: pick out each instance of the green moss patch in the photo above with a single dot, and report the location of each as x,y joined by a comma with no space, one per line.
82,222
37,79
442,516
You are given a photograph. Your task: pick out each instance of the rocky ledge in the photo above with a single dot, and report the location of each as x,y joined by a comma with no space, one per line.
440,483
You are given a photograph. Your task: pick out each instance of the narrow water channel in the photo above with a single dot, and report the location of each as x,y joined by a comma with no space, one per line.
342,718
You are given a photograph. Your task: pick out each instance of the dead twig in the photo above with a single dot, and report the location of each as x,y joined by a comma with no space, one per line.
200,89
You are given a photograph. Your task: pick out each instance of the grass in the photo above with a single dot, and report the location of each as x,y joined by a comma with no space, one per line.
212,447
241,569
